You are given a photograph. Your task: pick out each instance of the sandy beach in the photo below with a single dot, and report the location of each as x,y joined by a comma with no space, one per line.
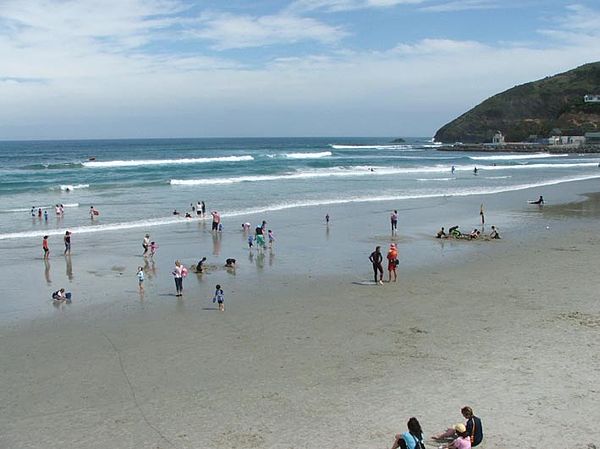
317,360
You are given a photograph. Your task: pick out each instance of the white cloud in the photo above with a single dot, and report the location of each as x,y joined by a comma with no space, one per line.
346,5
66,73
229,31
461,5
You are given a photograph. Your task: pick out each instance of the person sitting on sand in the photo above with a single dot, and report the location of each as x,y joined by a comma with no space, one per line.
441,234
475,234
494,233
462,440
473,428
199,268
454,232
413,439
230,263
61,296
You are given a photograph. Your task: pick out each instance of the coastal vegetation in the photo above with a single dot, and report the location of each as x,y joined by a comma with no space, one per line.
535,109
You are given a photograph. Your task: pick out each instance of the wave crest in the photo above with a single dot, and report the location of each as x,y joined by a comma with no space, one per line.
144,162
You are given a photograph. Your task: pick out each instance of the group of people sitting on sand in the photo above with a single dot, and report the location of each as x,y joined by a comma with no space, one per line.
459,436
455,233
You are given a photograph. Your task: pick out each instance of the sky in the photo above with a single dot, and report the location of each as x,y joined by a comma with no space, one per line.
258,68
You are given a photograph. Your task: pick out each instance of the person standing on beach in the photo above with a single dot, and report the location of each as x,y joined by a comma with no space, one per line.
146,244
376,258
392,257
394,221
327,219
203,209
46,216
45,247
140,276
93,213
198,209
216,219
179,273
482,216
67,239
259,238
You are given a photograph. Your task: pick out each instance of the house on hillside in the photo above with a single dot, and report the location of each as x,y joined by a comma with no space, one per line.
591,98
567,140
498,138
592,137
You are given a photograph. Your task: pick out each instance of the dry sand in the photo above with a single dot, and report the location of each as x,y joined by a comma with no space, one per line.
323,362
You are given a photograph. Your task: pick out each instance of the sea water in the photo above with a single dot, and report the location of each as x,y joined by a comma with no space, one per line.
139,183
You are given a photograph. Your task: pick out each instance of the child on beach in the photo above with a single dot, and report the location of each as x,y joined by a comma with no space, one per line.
250,241
271,238
140,276
45,247
153,248
62,296
219,298
472,430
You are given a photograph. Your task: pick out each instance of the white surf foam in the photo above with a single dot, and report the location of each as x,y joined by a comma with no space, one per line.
359,171
142,162
372,147
435,179
68,187
308,155
516,157
308,203
23,209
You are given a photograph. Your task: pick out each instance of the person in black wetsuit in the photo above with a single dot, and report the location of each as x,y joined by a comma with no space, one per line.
376,259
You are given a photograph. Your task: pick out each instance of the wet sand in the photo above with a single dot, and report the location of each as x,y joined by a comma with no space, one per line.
317,361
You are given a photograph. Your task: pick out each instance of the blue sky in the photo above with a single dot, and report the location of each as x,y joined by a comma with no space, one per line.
182,68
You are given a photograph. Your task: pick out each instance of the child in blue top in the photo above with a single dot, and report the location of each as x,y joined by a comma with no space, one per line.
219,298
250,241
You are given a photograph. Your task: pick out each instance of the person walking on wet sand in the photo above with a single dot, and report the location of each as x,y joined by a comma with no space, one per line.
179,273
67,239
219,298
140,277
394,222
45,247
376,259
146,244
216,219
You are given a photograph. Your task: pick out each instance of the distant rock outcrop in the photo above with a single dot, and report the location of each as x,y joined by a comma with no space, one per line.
539,108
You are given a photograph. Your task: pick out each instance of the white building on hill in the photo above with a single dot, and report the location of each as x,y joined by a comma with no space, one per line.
591,98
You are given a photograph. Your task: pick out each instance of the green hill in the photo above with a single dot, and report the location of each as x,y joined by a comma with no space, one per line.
535,108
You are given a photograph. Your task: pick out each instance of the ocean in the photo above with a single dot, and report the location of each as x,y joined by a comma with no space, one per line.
138,183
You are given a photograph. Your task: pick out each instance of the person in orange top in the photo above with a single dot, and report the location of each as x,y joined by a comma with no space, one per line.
392,257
